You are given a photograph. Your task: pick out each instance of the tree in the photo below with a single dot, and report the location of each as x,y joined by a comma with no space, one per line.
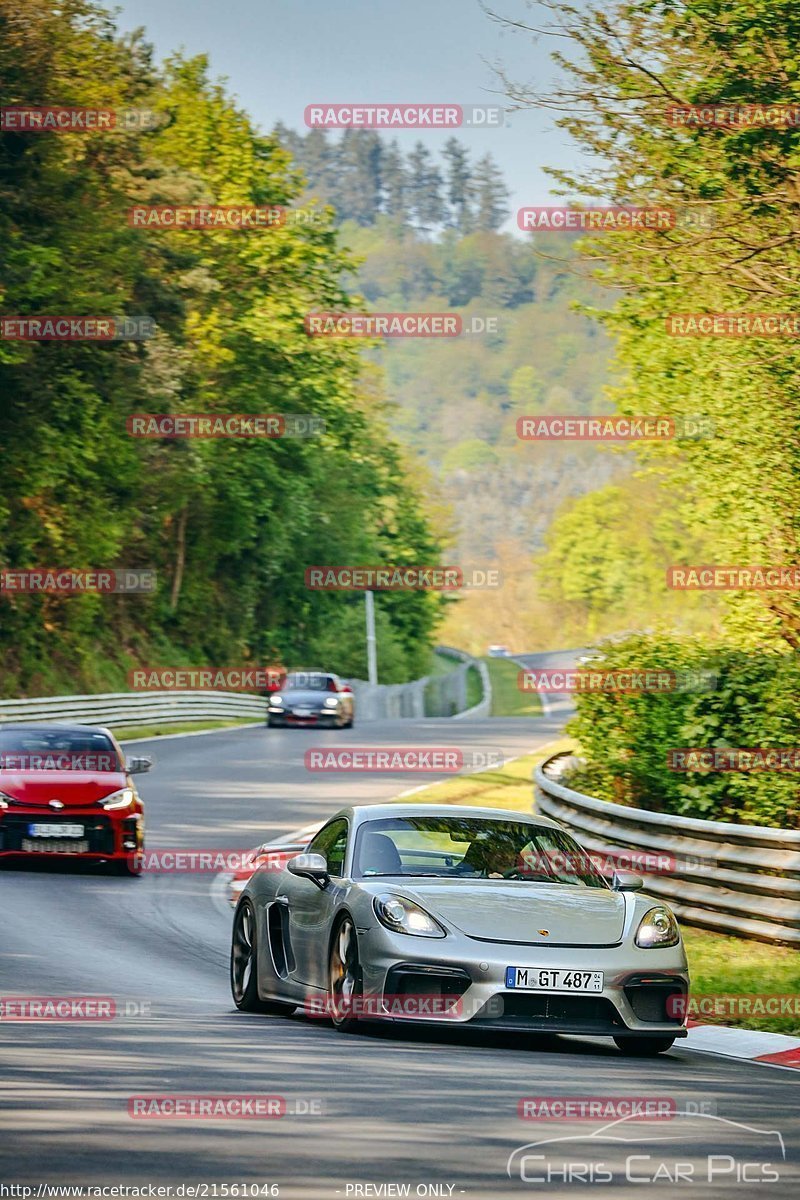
491,195
732,246
357,176
395,185
459,185
228,526
424,187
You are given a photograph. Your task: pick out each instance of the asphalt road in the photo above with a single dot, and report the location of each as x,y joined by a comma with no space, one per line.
435,1111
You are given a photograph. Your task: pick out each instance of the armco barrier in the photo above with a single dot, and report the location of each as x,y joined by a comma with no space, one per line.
737,879
136,708
430,696
434,695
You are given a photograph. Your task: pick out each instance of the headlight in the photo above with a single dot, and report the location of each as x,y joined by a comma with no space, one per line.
120,799
403,916
276,701
657,927
5,800
331,702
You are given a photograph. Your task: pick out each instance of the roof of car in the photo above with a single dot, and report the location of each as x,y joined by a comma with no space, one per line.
372,812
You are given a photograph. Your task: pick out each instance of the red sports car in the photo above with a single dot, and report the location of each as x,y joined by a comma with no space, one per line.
272,856
66,793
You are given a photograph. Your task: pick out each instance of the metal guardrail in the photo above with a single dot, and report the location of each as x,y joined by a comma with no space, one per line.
430,696
136,708
736,879
433,695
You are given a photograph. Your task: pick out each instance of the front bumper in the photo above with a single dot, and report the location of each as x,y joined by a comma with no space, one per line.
323,718
108,836
634,1000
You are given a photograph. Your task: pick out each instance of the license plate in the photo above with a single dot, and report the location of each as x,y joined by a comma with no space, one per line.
55,846
544,979
55,831
303,712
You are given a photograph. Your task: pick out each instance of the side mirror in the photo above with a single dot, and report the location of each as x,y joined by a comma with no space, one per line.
138,766
309,866
346,688
626,881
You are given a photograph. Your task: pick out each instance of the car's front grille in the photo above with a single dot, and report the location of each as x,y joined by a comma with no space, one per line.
98,831
574,1014
408,979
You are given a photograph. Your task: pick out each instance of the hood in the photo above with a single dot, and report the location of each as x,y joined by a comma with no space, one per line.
73,788
515,912
304,696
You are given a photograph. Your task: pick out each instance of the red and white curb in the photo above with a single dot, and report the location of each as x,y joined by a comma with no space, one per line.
755,1045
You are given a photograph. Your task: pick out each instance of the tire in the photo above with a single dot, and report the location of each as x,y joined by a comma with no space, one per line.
644,1047
244,969
344,974
126,868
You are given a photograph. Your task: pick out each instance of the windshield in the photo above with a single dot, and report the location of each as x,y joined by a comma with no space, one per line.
56,750
472,848
312,681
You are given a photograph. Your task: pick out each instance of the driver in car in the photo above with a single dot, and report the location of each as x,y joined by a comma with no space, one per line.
489,859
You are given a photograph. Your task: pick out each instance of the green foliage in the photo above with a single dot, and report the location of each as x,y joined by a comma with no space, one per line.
607,555
626,737
228,526
734,248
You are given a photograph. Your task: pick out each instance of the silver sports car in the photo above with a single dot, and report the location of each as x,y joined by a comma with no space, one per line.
451,914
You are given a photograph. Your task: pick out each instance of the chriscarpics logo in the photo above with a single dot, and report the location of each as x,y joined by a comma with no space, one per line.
691,1149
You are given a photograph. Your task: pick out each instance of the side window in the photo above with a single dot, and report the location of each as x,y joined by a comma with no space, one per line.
332,842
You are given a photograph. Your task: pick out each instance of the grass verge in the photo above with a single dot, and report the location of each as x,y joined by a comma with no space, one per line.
728,966
507,699
125,732
507,787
